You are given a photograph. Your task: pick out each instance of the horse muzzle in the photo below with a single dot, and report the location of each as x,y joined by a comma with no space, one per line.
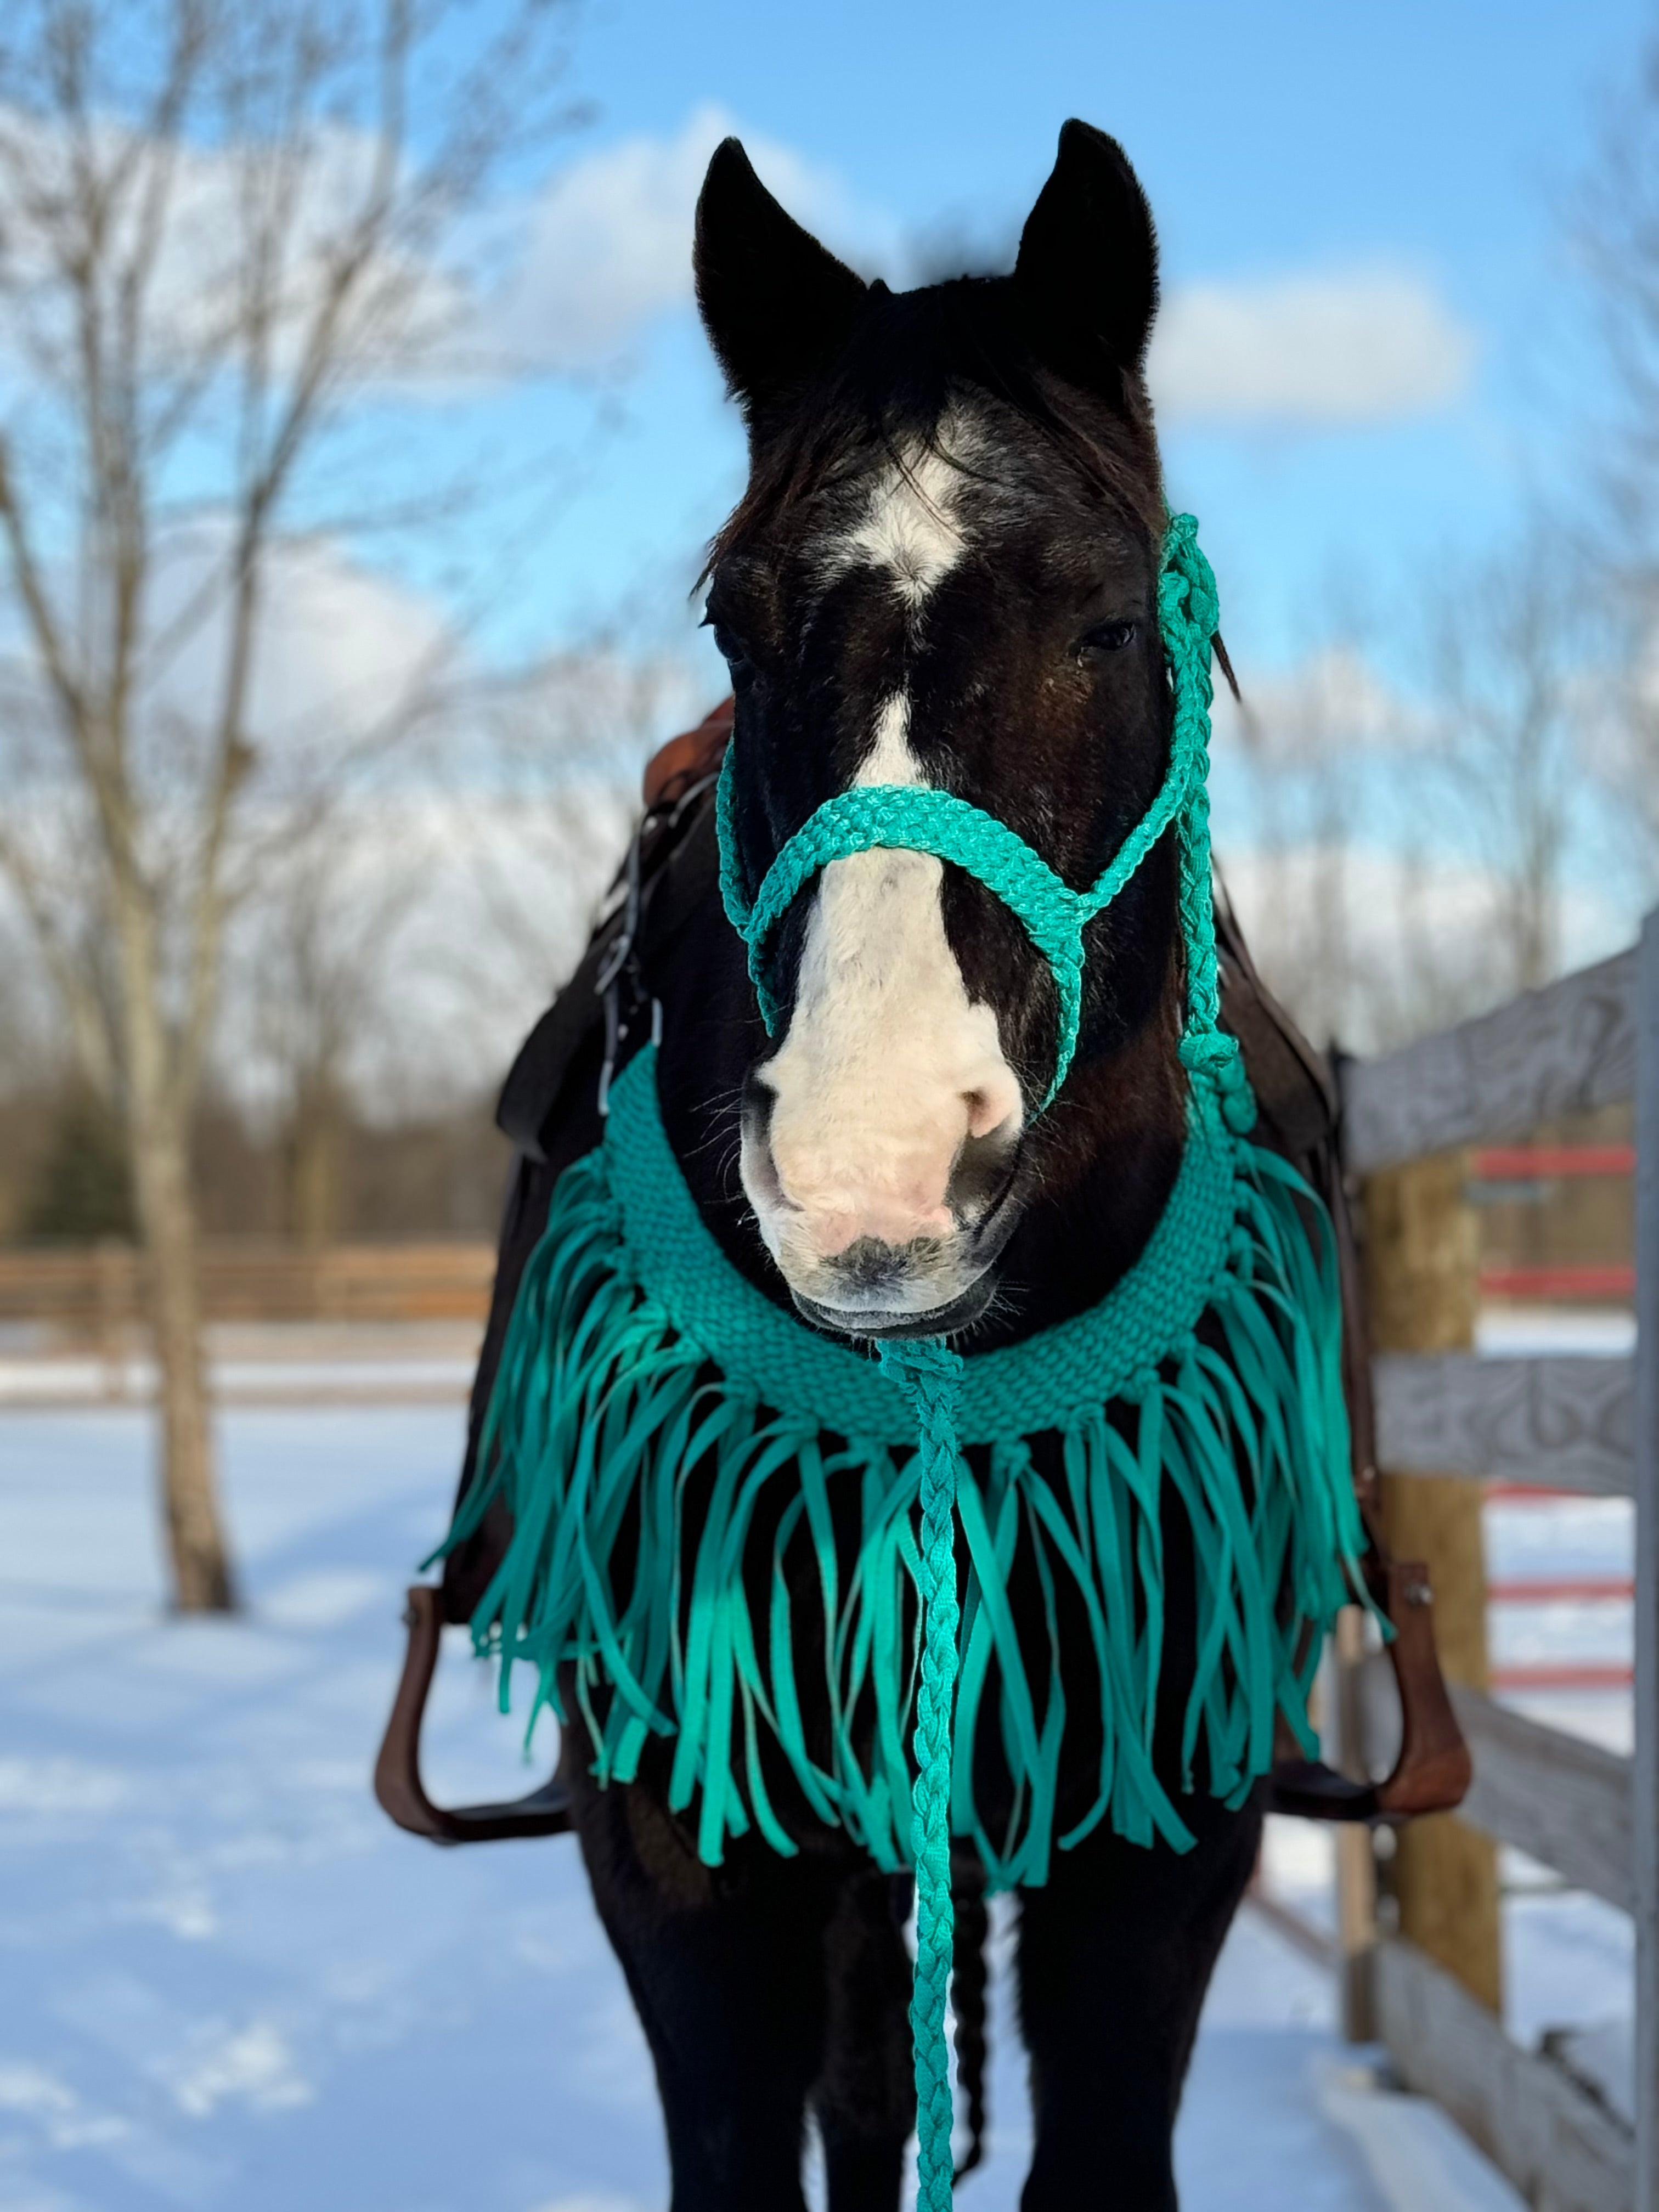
888,1253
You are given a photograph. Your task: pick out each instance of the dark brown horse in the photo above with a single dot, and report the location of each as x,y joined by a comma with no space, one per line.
943,572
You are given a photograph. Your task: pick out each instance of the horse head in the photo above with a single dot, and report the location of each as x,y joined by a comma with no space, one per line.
943,573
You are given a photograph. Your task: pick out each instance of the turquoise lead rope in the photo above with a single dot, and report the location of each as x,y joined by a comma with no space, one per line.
930,1375
923,820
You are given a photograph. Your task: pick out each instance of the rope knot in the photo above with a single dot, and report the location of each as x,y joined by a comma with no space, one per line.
1186,584
1215,1056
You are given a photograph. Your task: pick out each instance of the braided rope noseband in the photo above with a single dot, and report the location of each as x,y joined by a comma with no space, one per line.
918,819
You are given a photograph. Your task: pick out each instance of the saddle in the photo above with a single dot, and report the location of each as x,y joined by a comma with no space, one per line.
552,1107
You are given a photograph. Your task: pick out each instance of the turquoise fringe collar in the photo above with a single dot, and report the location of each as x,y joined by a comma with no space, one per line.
639,1362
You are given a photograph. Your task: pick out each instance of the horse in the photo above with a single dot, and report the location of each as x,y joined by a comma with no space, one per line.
942,572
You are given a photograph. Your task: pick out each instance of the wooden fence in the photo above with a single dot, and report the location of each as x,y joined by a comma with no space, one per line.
98,1291
1589,1424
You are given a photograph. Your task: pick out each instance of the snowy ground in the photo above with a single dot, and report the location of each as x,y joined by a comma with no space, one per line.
228,1983
256,1363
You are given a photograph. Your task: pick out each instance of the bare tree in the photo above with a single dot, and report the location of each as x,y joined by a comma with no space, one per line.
1512,667
1615,223
560,752
1413,836
224,225
1301,746
311,979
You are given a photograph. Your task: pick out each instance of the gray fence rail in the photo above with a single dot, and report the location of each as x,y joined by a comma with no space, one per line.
1590,1425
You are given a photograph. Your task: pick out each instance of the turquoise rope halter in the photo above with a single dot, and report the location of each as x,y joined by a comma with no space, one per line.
668,1442
920,820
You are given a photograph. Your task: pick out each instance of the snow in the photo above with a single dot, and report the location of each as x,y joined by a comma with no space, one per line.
229,1982
1528,1332
284,1363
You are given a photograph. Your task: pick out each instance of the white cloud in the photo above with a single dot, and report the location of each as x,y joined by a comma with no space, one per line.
215,196
1333,702
606,250
433,924
1361,345
602,250
338,645
443,906
1374,946
607,245
564,277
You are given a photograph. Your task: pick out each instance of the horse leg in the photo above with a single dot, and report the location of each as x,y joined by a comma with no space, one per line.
864,2098
725,1968
1115,1956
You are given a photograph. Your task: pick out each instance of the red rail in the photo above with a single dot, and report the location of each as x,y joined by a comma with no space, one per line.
1517,1163
1562,1589
1583,1281
1567,1675
1531,1493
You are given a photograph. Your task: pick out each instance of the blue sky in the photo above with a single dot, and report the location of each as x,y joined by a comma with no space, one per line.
1373,354
1435,146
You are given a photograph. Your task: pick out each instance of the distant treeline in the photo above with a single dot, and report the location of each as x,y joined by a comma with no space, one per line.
332,1177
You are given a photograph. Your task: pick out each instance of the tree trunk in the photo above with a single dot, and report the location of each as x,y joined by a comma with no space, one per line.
313,1167
201,1579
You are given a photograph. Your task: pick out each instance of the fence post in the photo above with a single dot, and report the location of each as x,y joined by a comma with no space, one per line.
1422,1254
1645,1773
1356,1855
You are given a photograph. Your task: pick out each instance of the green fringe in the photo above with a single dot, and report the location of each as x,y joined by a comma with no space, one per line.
608,1404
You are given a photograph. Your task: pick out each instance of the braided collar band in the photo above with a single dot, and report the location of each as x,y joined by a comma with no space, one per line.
917,819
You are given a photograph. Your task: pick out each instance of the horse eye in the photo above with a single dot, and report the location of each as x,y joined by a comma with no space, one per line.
1107,637
735,654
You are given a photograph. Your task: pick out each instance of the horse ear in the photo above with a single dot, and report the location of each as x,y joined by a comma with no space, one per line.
1088,259
776,305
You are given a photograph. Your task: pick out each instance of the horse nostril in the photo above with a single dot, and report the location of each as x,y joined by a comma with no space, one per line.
992,1105
760,1169
982,1171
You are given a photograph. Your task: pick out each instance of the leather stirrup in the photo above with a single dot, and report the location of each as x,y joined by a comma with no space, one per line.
1433,1770
397,1785
1431,1775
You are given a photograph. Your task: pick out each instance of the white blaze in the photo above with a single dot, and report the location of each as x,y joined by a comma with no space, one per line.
908,526
887,1067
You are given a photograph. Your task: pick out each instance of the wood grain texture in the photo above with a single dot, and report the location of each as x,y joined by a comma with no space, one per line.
1564,2150
1561,1050
86,1289
1356,1858
1645,1805
1422,1262
1562,1800
1565,1423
